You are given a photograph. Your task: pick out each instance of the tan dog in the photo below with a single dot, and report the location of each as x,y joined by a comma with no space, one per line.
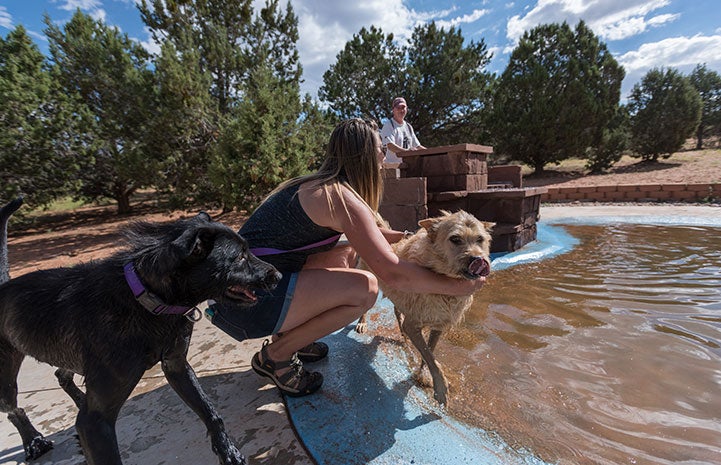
456,245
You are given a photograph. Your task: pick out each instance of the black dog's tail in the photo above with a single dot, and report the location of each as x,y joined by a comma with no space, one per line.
5,213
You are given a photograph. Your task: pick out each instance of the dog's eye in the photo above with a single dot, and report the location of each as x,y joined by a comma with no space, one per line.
481,239
456,240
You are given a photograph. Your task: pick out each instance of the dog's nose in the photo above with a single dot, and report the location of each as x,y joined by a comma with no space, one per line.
273,277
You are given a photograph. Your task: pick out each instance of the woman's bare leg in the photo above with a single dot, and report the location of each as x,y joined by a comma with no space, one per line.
324,301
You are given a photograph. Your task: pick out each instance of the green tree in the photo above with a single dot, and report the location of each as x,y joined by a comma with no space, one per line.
612,145
261,144
249,63
443,79
708,85
228,40
41,141
447,86
110,74
184,127
557,95
367,74
665,110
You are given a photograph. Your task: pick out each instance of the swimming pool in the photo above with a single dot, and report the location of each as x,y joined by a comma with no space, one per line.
564,359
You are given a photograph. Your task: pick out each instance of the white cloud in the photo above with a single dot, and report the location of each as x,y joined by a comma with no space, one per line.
677,52
469,18
610,19
681,53
325,27
90,7
6,20
72,5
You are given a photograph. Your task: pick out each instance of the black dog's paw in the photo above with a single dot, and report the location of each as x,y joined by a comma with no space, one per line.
234,457
227,453
37,447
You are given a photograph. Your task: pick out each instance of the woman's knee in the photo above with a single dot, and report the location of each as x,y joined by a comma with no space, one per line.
370,290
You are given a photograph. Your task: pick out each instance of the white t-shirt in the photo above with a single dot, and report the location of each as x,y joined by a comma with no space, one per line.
400,134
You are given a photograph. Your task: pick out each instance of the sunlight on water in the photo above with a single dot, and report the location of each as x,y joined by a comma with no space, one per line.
608,354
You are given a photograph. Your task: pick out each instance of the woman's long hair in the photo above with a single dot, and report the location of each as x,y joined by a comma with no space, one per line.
351,160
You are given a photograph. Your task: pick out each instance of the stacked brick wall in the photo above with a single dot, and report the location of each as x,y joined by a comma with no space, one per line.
635,193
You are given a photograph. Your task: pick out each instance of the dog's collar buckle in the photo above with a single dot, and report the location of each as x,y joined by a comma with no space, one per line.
194,314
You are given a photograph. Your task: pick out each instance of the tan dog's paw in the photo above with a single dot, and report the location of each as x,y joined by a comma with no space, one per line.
361,326
422,376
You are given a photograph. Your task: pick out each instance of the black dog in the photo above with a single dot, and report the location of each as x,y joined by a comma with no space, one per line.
111,320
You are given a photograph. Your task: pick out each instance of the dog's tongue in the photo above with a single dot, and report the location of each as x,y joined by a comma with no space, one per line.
479,267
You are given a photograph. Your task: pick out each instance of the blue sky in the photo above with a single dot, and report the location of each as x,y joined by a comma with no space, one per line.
642,34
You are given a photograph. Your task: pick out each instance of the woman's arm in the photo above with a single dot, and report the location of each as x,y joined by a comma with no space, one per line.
358,223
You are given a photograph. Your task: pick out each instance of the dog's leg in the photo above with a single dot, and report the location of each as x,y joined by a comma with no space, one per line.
361,326
433,338
440,388
106,393
182,379
65,379
34,443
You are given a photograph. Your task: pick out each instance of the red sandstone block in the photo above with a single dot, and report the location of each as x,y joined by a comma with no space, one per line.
687,195
460,182
404,191
615,195
445,164
673,187
658,195
702,188
604,189
588,189
576,196
627,188
403,217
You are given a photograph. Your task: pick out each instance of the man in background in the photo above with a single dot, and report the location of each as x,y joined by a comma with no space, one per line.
397,134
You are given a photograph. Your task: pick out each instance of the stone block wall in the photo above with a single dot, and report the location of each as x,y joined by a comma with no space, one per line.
635,193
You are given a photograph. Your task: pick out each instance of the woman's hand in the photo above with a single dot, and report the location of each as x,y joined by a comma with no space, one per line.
470,286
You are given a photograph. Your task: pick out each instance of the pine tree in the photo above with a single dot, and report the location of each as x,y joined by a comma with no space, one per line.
665,110
110,75
41,141
557,95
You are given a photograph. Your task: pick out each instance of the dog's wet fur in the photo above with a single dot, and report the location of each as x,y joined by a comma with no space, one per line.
452,244
86,320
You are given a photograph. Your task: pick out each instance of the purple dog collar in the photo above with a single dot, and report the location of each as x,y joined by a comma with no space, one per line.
151,302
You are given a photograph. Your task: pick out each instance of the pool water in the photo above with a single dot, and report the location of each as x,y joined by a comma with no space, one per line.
608,354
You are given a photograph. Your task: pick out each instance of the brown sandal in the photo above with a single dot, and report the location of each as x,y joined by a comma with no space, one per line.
295,382
313,352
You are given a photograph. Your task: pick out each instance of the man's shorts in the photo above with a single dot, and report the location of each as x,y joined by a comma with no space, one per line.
262,319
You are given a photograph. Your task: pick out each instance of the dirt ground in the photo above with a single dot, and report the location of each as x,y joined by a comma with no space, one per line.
63,239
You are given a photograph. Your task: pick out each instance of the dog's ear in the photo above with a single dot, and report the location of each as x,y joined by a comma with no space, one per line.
430,225
488,225
203,216
195,242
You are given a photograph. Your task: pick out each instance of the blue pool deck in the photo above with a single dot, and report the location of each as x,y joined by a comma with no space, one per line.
369,411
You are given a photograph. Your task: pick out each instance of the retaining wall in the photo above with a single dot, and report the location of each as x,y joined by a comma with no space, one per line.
635,193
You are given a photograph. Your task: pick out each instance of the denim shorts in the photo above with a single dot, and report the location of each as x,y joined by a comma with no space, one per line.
262,319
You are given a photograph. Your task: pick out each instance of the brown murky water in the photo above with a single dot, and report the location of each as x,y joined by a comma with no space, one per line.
609,354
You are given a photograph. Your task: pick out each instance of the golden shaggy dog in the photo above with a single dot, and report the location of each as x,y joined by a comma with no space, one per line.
456,245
